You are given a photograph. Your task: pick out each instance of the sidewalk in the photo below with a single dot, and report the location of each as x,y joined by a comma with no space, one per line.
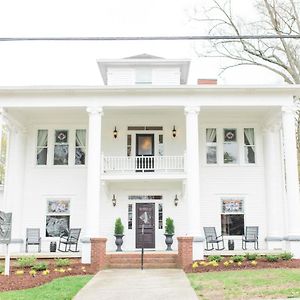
133,284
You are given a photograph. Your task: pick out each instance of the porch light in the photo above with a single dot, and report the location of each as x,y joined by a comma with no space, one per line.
114,200
176,200
174,131
115,132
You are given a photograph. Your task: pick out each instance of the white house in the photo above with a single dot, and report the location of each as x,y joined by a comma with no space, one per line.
226,153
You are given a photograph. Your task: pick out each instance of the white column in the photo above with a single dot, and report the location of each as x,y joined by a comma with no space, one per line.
193,180
292,180
92,223
274,187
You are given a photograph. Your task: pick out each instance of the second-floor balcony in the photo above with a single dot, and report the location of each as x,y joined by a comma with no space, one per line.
142,164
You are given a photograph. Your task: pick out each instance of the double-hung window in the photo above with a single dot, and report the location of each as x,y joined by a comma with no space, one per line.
211,145
249,145
230,146
80,147
42,147
61,147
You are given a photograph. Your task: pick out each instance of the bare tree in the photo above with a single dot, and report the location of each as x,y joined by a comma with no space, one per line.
281,56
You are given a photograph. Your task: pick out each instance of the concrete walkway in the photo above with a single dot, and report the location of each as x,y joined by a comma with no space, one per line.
132,284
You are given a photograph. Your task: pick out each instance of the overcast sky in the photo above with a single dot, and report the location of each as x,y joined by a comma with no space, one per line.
74,63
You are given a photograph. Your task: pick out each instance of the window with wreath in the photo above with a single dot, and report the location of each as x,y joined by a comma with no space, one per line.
61,147
230,146
232,217
249,145
58,217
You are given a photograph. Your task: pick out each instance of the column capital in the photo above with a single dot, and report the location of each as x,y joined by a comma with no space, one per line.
271,128
192,109
94,110
289,109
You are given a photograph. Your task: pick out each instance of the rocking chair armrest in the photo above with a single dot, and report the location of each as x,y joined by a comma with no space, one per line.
220,236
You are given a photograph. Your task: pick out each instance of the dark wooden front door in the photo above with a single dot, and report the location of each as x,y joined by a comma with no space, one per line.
145,215
145,152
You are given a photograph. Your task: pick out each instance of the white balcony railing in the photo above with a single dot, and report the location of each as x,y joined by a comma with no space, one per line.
143,164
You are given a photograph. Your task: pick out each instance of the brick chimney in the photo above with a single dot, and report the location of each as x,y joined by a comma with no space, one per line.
207,81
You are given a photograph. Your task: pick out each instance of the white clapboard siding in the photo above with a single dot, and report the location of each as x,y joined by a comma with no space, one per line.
120,76
166,76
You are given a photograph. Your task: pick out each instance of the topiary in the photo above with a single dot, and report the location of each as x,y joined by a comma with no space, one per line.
169,228
119,227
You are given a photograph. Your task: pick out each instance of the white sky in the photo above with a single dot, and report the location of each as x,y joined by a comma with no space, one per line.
74,63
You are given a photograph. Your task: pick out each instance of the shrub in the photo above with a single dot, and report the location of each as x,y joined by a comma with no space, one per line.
216,258
119,227
62,262
26,261
1,269
169,228
238,258
42,266
251,256
286,256
272,258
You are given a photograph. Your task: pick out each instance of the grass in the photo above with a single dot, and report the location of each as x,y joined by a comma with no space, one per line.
250,284
61,288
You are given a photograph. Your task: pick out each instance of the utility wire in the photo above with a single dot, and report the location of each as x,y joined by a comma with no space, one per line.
152,38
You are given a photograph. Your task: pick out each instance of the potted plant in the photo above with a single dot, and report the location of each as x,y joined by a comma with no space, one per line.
169,232
119,233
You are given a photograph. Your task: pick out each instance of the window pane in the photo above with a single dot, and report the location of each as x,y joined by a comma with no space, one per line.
250,154
42,138
80,156
80,138
249,136
230,153
229,135
41,157
211,155
211,135
232,224
160,216
129,216
143,76
61,136
232,206
56,225
61,154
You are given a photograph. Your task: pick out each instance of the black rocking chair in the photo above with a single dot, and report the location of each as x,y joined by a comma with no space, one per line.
33,237
251,236
212,238
69,239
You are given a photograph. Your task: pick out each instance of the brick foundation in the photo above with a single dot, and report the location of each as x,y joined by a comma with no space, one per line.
185,252
98,253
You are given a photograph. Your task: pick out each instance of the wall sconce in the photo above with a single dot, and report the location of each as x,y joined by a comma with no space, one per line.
114,200
176,200
115,132
174,132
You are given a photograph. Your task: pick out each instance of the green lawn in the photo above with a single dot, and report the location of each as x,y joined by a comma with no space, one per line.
251,284
59,289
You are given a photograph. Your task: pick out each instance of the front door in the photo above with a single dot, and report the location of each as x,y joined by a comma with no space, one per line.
145,215
145,152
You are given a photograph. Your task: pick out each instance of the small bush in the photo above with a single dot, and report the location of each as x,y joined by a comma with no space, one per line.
238,258
216,258
119,227
169,228
251,256
26,261
286,256
42,266
2,269
272,258
62,262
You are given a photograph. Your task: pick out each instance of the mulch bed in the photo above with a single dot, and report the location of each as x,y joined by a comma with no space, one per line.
25,281
262,263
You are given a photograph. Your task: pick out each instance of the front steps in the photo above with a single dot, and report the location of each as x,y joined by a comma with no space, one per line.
132,260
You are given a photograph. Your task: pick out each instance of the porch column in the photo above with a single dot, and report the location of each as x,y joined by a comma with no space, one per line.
292,180
92,223
274,187
193,180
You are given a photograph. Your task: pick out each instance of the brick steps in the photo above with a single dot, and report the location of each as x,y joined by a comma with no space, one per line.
133,260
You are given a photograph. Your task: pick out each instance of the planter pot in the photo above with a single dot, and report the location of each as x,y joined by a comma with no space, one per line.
53,247
230,244
119,241
169,241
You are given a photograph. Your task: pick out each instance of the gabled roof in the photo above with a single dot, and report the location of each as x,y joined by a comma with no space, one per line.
145,60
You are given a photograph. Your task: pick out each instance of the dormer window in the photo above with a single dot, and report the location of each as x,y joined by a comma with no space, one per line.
143,76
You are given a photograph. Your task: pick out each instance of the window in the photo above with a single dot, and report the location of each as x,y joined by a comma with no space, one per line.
160,216
129,143
58,217
143,76
249,145
211,145
3,154
230,146
61,147
160,145
80,147
42,147
232,217
129,216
